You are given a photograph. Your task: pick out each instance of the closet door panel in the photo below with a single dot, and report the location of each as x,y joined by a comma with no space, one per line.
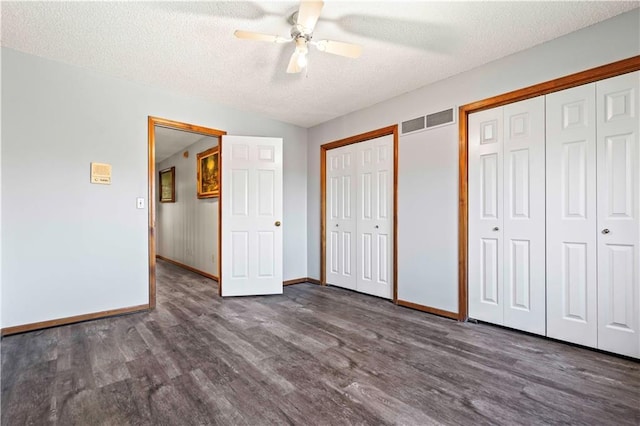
341,217
618,230
571,215
524,216
485,281
375,216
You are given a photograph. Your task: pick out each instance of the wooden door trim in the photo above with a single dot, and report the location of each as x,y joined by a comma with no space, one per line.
584,77
151,178
220,216
390,130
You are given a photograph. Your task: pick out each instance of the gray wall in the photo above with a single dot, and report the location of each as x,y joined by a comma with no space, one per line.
0,192
70,247
187,230
428,161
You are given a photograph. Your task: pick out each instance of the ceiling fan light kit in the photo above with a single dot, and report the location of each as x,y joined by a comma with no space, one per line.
302,50
303,23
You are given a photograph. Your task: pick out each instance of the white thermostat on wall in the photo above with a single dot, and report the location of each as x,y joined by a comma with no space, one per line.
101,173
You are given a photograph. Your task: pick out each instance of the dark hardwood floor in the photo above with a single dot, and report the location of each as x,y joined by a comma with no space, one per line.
313,355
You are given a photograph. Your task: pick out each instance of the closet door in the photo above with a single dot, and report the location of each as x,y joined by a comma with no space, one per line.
618,229
341,217
524,216
571,215
375,216
485,216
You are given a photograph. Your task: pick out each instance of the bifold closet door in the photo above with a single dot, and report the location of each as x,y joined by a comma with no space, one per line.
618,221
375,216
485,216
571,215
507,216
341,216
524,216
593,190
359,216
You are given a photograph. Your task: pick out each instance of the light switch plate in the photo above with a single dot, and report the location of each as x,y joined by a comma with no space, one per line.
140,203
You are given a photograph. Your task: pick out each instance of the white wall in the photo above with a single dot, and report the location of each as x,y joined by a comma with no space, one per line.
187,230
428,161
0,193
70,247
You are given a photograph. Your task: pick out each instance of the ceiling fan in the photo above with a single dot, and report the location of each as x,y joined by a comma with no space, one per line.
303,23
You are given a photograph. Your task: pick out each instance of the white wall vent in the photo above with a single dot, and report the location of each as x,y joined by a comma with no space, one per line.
430,121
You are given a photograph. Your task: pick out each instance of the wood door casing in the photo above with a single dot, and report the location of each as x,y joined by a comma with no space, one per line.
152,122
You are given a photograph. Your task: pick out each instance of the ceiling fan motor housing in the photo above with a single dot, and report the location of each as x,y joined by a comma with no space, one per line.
297,32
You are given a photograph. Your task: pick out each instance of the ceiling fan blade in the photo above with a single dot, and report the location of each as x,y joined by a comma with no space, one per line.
249,35
308,14
294,66
339,48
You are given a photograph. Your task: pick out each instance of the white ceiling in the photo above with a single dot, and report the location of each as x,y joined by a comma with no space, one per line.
189,47
169,141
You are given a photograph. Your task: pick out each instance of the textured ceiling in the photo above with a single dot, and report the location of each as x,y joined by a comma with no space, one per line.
189,47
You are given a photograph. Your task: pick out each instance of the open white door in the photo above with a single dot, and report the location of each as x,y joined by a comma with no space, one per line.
251,204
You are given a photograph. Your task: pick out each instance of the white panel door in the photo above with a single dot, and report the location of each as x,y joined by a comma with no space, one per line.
251,202
618,228
571,215
341,183
485,216
375,216
524,216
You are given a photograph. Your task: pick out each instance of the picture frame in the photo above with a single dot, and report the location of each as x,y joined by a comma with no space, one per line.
208,173
167,179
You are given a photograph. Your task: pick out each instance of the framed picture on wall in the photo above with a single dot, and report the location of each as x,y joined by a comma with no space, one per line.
208,182
168,185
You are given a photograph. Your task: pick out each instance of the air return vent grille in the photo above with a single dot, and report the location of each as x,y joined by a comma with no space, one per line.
440,118
437,119
413,125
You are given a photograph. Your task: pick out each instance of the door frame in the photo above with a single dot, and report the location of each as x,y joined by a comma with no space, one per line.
151,179
584,77
374,134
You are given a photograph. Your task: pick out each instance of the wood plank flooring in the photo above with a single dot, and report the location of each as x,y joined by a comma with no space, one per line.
311,356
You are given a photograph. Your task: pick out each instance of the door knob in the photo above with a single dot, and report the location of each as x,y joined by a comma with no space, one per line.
377,227
337,225
496,229
605,231
277,223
